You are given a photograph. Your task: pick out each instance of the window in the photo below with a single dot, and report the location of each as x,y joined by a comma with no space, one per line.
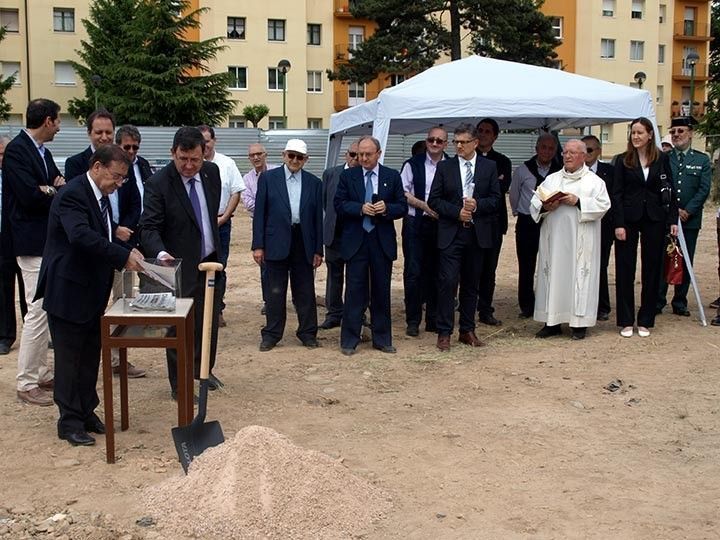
396,78
313,37
314,82
11,69
557,26
607,48
276,122
314,123
276,30
689,21
356,35
661,54
238,77
275,79
236,27
64,74
638,6
637,50
63,19
662,10
659,94
605,133
10,20
236,122
608,9
356,94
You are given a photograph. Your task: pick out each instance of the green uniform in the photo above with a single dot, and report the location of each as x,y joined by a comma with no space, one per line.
692,176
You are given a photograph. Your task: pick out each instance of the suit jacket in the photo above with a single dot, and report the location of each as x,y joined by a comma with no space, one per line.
634,199
24,207
129,199
76,274
330,179
168,222
692,182
272,220
606,172
446,198
348,202
504,170
78,164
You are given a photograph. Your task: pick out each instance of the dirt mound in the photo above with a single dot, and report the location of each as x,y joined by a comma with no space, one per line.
259,484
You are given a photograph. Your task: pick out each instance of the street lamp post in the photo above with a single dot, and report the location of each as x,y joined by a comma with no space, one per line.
96,80
283,67
640,78
691,59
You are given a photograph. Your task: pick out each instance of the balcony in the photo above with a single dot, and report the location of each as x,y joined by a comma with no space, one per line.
681,72
692,31
343,101
342,7
678,109
341,53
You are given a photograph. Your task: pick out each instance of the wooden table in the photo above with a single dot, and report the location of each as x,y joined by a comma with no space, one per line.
135,329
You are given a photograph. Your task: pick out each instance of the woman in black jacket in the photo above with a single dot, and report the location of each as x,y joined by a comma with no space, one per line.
643,205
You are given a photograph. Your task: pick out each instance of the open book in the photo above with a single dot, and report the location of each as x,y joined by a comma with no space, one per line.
549,196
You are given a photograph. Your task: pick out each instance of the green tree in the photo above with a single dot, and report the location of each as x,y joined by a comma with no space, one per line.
255,113
411,36
5,85
148,73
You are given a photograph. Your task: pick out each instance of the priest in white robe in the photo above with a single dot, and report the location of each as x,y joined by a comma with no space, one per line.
569,204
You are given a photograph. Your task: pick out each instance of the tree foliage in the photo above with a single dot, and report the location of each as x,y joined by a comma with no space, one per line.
411,36
5,85
255,113
148,73
710,124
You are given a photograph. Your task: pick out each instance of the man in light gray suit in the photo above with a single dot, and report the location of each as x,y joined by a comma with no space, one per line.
331,239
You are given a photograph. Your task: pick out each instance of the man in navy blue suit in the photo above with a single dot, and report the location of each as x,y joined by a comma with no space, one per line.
466,194
288,240
368,199
75,281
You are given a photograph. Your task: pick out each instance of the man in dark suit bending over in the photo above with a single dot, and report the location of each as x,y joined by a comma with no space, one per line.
179,221
466,194
75,281
368,199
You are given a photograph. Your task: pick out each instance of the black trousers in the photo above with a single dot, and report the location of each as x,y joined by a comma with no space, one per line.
651,236
334,285
302,284
8,325
679,299
527,242
460,263
607,236
77,358
368,274
198,296
420,270
486,286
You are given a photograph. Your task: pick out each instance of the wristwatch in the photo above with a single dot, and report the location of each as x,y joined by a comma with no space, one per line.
50,191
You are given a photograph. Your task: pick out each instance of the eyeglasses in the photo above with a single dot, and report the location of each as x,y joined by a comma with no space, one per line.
117,177
435,140
256,155
592,150
294,156
571,153
458,142
133,147
352,154
678,131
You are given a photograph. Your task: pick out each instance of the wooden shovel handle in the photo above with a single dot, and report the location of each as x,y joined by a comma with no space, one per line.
210,268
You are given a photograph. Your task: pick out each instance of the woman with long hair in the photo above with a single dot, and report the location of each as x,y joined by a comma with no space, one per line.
643,205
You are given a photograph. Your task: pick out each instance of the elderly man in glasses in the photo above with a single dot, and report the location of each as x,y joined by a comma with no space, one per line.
419,234
287,238
693,175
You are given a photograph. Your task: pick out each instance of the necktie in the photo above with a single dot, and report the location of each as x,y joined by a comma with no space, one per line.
367,222
104,208
195,202
681,159
468,179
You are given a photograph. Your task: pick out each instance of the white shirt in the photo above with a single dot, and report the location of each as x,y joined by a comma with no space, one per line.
463,171
407,179
231,180
99,195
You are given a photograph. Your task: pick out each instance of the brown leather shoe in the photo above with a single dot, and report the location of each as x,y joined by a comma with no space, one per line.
134,372
469,338
221,321
47,385
443,343
35,396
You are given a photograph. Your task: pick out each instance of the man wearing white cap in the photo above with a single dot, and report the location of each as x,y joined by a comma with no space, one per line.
287,238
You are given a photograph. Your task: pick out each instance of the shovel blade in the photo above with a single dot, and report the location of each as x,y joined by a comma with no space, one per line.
193,440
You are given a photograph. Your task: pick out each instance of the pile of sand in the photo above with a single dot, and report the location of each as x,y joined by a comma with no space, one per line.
259,484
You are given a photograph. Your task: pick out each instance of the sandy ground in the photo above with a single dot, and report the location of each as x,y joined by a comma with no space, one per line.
516,440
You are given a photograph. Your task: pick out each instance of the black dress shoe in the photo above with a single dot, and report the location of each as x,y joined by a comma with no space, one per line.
683,312
603,316
4,348
548,331
389,349
715,321
311,343
214,383
78,438
95,425
489,319
328,324
412,330
348,351
525,315
578,333
266,346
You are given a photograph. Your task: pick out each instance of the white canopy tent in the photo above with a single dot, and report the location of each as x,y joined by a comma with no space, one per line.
517,96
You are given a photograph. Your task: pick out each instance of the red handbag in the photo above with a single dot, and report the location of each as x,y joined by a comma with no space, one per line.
673,263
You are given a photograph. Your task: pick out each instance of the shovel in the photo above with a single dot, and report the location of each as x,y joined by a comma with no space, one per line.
194,439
